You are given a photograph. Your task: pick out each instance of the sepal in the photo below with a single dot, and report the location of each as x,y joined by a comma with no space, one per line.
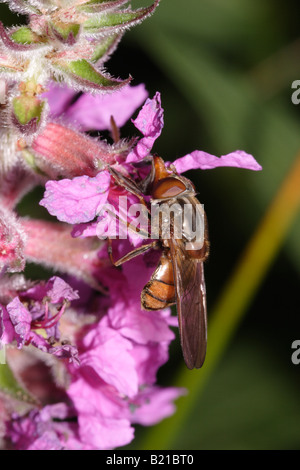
25,7
24,35
27,111
105,47
117,21
14,45
82,73
65,32
28,107
98,6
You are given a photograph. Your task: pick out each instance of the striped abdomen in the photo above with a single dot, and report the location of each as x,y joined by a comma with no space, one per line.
159,292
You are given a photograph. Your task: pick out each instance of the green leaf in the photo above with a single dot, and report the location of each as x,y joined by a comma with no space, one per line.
10,386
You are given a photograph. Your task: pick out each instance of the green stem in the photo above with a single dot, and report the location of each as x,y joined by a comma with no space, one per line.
233,303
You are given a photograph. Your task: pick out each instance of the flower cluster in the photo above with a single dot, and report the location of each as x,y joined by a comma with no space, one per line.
81,356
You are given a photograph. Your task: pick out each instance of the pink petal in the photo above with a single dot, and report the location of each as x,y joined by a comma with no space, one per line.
89,393
93,112
149,358
102,419
59,98
38,341
205,161
88,229
155,404
104,433
20,318
139,326
47,441
7,332
108,353
76,201
55,289
150,123
58,290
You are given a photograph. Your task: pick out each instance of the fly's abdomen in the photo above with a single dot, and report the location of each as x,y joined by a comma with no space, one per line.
159,292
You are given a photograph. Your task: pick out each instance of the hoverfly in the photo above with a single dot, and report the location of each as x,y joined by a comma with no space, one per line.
179,276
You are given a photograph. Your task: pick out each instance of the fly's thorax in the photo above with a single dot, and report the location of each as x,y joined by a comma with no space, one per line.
179,218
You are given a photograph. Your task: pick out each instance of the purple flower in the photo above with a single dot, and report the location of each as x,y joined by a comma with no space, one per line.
114,349
48,429
80,200
120,350
93,112
34,310
111,389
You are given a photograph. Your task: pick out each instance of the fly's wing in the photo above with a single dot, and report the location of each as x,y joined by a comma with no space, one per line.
191,304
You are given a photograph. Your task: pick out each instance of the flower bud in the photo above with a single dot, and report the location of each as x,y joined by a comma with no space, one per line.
62,151
27,108
65,32
27,112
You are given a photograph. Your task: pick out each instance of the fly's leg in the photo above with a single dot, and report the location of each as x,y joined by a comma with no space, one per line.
129,185
132,254
132,188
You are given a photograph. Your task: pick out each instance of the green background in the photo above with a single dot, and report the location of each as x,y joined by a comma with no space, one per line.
224,69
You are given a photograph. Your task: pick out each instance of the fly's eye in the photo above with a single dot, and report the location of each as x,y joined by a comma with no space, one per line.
167,188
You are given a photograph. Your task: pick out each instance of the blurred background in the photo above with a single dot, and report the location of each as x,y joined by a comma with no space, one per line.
225,69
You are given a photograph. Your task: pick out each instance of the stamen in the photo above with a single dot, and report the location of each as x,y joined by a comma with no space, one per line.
49,322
